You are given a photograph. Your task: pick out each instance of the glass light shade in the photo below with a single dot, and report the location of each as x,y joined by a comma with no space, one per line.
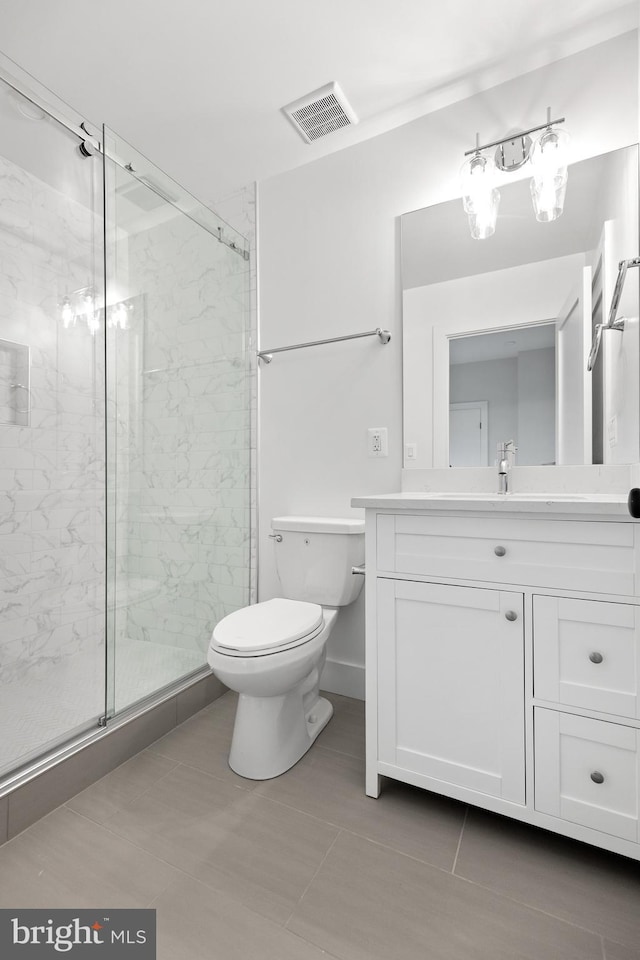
548,197
549,160
549,154
479,196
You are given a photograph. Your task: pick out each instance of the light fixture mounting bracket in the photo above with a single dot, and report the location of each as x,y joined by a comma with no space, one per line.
514,136
512,154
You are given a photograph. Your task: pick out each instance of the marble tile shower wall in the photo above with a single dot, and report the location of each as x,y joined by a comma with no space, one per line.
52,471
187,513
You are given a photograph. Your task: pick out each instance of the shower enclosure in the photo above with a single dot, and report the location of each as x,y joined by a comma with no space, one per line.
124,429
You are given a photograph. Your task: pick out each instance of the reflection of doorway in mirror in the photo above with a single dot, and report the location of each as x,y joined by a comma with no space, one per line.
468,433
513,370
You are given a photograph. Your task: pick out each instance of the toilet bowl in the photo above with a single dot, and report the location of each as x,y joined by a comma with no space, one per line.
272,653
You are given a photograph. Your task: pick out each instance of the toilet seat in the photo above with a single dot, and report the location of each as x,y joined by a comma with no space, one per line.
267,627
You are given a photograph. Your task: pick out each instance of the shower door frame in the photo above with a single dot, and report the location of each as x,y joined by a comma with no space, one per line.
34,771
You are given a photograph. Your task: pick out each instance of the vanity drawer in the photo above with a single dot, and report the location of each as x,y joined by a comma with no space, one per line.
587,654
587,771
569,555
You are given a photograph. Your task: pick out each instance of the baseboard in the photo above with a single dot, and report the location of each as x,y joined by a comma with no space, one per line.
346,679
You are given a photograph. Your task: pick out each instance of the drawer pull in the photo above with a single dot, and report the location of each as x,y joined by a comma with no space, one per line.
596,657
499,551
597,777
511,615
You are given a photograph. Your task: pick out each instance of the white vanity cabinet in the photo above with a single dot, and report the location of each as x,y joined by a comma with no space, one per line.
503,657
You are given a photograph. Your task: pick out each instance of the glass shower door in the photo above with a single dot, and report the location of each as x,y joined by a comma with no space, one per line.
178,426
52,530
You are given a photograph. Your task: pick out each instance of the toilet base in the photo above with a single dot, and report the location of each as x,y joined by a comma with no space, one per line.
271,734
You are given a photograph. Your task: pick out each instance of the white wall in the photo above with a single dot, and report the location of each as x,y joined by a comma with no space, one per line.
329,265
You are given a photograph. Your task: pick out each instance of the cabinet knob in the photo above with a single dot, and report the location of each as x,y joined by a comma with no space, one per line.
596,657
597,777
499,551
511,615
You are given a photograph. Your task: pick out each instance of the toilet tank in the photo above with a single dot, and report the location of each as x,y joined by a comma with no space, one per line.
315,556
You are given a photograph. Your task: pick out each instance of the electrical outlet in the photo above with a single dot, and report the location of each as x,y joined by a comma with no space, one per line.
377,442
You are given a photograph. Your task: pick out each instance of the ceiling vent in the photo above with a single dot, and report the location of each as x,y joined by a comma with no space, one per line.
320,112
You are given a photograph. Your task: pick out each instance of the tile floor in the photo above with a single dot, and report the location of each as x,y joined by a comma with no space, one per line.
306,866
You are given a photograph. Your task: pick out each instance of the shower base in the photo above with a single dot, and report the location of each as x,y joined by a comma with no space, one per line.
60,697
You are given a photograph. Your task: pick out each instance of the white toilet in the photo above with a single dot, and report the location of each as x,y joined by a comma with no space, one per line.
272,653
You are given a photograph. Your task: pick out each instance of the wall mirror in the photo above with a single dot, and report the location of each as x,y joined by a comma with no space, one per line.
496,332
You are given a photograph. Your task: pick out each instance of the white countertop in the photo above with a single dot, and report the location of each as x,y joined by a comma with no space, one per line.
581,505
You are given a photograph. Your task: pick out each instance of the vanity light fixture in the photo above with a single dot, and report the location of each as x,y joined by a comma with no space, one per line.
548,157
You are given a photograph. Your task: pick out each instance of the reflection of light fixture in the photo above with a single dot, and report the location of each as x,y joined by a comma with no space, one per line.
117,316
83,305
67,314
548,156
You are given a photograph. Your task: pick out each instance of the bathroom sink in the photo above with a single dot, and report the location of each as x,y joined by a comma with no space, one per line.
506,497
446,495
545,496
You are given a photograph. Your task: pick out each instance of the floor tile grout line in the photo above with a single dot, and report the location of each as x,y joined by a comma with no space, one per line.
185,874
192,876
261,916
345,830
207,773
344,753
131,843
132,798
455,859
314,946
341,830
475,883
318,869
531,906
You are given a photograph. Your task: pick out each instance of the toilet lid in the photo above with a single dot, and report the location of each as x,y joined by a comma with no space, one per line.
268,625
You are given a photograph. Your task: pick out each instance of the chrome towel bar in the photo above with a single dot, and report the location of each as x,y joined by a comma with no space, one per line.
612,323
383,335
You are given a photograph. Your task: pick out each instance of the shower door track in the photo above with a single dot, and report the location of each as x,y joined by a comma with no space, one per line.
77,129
83,132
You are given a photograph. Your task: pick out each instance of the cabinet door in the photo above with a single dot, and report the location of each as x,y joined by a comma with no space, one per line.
587,771
451,685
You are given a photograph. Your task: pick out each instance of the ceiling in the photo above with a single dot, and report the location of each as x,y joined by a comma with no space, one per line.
198,85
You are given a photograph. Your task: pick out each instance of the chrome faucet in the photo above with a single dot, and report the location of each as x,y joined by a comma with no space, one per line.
506,450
